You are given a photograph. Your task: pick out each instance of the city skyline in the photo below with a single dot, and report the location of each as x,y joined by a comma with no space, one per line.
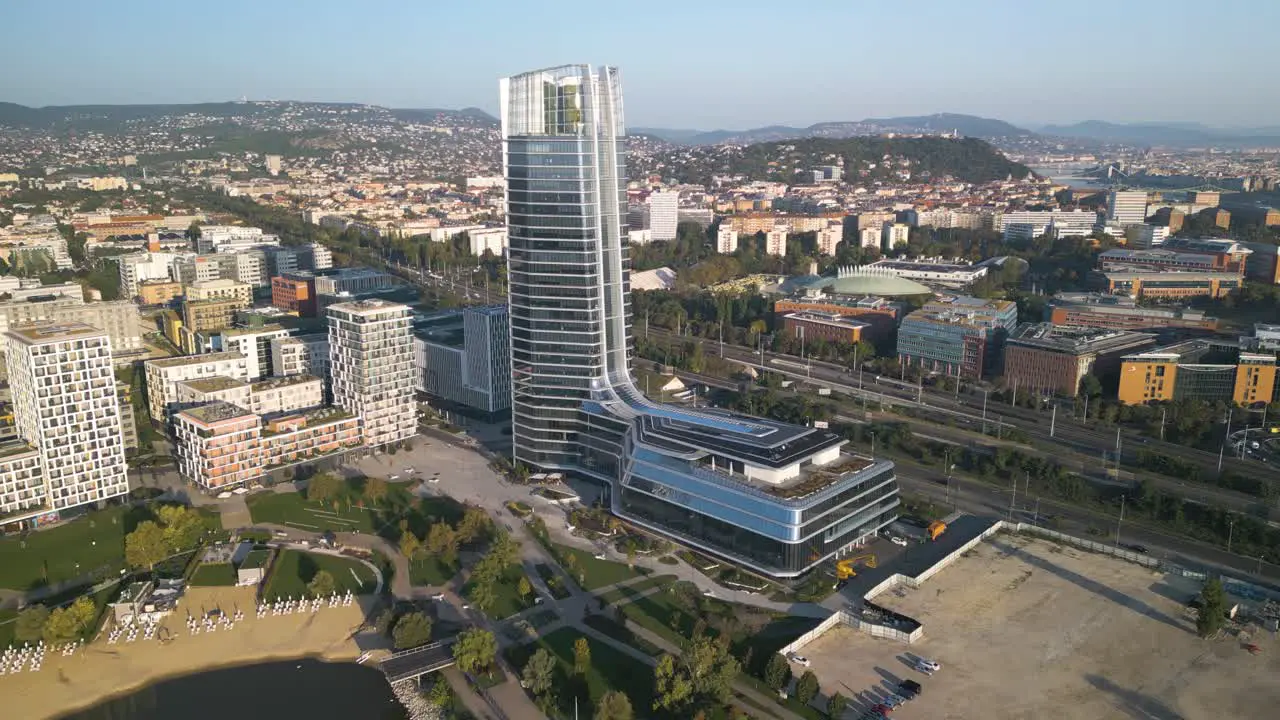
999,68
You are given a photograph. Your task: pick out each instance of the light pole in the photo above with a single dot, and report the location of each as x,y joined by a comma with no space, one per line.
1231,531
985,392
1120,522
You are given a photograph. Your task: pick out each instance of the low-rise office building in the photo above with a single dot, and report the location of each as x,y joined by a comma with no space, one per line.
812,325
879,315
1173,285
1209,370
1043,357
1095,310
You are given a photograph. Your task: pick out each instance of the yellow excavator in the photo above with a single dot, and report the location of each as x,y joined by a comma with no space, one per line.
844,568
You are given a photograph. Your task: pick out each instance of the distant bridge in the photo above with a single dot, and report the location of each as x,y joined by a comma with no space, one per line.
412,664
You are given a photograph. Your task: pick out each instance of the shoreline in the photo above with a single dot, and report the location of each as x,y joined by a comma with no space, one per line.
100,672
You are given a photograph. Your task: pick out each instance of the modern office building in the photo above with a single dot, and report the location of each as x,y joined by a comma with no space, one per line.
957,336
1167,285
1263,264
664,209
1211,370
352,281
879,315
780,499
1127,207
295,291
66,407
1045,358
371,368
223,238
1148,237
1175,257
460,357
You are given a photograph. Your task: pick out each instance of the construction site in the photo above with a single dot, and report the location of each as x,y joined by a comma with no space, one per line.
1029,628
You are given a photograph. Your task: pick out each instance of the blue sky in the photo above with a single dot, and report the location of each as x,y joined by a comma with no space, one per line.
709,64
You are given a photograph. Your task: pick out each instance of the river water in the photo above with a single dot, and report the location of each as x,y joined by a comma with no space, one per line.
304,689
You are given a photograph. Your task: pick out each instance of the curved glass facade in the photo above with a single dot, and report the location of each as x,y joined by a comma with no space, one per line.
574,405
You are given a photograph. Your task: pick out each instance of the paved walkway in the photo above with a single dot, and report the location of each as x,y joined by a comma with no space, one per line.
474,703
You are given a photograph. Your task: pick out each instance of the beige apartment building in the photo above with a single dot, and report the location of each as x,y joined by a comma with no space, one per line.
158,292
223,289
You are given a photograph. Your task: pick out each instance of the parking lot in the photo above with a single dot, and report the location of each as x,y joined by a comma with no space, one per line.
1028,629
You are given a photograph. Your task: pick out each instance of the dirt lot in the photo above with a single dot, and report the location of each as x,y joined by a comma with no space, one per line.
1028,629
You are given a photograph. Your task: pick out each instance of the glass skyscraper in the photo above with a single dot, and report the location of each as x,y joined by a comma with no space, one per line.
777,498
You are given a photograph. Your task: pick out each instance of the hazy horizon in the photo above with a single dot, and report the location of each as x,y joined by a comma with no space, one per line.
683,66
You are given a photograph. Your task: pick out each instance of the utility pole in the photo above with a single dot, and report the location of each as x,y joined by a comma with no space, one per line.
1163,412
722,338
1117,453
1053,421
1231,530
1085,417
1121,521
984,411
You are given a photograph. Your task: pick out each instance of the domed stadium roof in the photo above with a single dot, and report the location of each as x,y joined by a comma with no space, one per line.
857,283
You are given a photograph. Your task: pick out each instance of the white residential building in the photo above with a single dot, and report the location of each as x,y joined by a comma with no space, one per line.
65,406
321,258
893,234
869,237
286,394
492,239
300,355
726,240
664,214
828,238
165,373
371,365
251,268
1127,207
145,266
775,241
255,344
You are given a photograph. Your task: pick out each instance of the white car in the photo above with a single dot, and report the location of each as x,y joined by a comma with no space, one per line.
438,597
409,471
898,540
435,479
927,666
393,478
799,659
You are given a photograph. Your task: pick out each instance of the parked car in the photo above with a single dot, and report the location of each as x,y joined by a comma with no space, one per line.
439,597
393,478
910,688
799,659
882,709
925,665
1136,548
898,540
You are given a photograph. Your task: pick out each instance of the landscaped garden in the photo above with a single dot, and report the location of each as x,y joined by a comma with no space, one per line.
610,669
294,570
429,570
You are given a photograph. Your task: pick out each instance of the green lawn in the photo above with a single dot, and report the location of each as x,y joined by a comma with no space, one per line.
616,595
611,669
94,542
210,574
295,568
594,573
430,570
353,512
621,633
296,511
7,626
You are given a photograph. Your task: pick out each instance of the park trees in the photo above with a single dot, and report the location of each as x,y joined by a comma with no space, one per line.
482,593
539,672
524,588
145,546
836,705
29,625
322,584
442,542
69,623
475,650
807,687
671,688
614,705
324,487
777,673
1213,608
375,490
581,656
182,527
474,525
411,630
409,543
703,674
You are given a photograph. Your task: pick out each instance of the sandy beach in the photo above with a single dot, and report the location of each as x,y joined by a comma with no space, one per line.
100,671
